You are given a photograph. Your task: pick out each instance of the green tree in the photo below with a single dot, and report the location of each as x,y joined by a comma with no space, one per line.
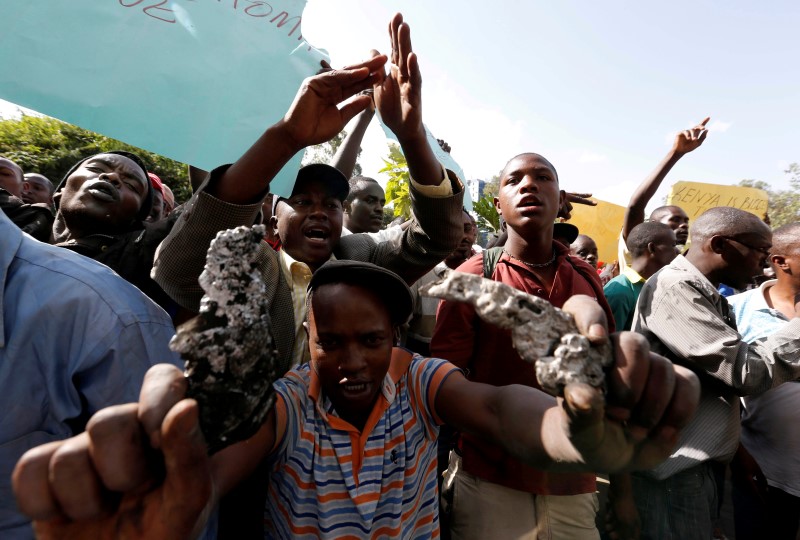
488,218
492,186
784,204
398,192
323,153
51,147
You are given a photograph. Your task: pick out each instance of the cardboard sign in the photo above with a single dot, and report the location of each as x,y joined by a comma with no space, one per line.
194,80
695,198
603,223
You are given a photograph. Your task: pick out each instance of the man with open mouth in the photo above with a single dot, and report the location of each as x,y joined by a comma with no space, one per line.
351,441
101,206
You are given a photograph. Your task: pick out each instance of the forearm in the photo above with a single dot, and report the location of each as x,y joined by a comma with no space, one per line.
530,427
181,256
433,234
423,166
347,153
634,215
247,180
232,465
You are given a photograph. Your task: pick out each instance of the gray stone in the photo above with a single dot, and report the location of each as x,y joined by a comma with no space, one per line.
542,334
228,350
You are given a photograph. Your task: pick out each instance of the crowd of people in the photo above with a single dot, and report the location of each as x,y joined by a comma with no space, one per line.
397,415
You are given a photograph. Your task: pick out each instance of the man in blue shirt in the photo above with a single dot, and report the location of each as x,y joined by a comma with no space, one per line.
770,433
74,338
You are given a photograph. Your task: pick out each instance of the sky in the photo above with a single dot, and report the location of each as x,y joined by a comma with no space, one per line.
599,88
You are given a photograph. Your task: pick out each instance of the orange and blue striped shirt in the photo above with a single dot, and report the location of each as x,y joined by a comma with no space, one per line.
331,481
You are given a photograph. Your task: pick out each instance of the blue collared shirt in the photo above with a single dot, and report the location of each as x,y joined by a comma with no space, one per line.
74,338
769,421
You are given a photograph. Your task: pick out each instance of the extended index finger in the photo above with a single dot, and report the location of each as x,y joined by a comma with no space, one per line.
704,122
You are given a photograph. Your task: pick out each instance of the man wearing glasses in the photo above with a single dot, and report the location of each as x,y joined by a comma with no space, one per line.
684,318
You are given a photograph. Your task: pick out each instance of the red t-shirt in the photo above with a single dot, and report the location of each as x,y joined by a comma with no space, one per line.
485,352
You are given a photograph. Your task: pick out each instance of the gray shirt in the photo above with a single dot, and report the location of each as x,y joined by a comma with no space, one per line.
685,319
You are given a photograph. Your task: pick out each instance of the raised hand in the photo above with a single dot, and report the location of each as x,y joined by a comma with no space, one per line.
317,113
138,471
398,95
690,139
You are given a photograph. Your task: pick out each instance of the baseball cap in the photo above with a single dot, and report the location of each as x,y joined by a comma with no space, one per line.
330,176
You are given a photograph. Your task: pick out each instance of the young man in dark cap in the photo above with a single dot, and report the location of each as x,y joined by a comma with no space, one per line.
351,440
309,222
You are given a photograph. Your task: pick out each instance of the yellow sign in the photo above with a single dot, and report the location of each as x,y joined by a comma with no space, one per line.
695,198
603,223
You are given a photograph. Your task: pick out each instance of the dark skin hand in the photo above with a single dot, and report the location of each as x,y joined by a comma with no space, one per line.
570,199
398,100
686,141
141,469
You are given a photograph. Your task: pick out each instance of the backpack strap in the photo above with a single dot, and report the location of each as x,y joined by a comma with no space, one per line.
490,258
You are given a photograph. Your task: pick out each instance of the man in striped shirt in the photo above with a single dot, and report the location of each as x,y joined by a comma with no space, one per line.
683,316
352,439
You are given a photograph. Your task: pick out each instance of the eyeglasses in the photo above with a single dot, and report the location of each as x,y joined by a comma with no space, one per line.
763,250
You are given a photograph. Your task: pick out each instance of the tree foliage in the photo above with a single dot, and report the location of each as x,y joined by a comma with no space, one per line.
784,204
51,147
488,218
398,187
492,186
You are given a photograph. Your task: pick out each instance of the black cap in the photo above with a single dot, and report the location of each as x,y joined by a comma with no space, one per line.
567,231
389,287
330,176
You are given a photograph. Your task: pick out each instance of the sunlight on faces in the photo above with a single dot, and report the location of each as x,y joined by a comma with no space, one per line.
309,223
364,212
529,195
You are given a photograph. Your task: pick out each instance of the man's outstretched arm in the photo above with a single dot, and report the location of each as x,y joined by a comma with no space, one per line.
635,426
685,142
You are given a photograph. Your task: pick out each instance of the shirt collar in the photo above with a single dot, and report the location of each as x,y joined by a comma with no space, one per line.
288,264
632,275
398,366
10,242
682,263
759,300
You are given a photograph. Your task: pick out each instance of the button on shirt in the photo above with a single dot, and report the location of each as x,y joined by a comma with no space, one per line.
74,338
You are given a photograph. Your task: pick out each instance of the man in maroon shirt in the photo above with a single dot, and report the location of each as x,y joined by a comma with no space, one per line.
497,496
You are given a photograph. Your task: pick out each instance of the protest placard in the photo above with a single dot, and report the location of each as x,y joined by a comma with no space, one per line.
696,197
603,223
194,80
